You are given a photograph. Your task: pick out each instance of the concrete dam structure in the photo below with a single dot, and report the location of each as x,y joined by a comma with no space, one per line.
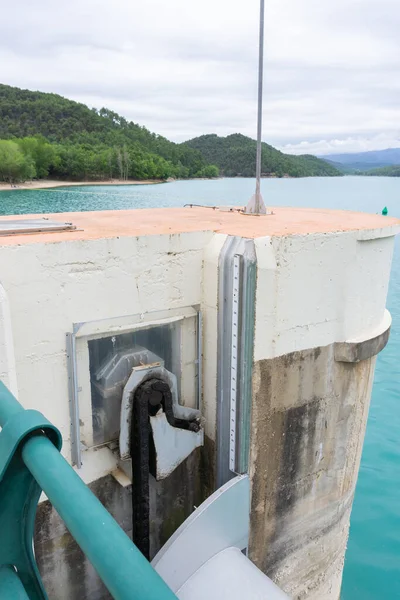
175,349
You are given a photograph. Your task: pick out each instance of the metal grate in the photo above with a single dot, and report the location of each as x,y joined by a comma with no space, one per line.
22,226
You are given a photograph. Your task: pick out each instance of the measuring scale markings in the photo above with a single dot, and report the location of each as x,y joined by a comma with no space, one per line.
234,361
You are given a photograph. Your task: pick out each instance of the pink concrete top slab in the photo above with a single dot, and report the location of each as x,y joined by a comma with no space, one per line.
161,221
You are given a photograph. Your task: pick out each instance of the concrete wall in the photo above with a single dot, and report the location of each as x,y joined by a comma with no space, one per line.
313,290
45,289
320,320
48,287
66,572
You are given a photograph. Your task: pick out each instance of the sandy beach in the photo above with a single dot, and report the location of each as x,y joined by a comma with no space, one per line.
47,183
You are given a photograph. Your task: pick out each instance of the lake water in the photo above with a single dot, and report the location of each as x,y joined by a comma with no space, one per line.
372,569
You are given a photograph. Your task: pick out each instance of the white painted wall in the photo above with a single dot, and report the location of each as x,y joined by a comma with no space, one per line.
210,332
8,372
51,286
313,290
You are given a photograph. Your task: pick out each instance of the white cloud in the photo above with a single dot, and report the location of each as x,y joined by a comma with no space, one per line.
183,68
339,146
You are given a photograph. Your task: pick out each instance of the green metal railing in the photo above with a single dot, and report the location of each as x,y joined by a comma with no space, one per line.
30,461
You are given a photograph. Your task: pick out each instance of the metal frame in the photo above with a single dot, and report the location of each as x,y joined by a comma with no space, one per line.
100,328
199,398
235,338
76,455
234,401
245,371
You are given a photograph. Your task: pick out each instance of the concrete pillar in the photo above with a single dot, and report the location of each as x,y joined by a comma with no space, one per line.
320,322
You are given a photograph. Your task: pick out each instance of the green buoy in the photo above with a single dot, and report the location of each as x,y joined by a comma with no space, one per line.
385,211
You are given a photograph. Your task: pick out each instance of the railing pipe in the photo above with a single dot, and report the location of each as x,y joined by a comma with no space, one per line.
124,570
121,566
11,587
9,406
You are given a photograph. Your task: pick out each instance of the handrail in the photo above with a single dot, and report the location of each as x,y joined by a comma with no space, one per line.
11,585
30,461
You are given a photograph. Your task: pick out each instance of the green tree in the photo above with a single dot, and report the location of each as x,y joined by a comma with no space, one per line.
208,172
66,139
14,166
26,114
40,151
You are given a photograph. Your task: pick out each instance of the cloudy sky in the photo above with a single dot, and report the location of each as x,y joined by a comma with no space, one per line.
187,67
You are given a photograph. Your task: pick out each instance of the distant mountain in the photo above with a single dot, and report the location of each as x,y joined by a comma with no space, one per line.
344,169
392,171
235,155
363,161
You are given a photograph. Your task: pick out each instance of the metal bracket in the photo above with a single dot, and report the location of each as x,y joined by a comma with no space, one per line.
177,411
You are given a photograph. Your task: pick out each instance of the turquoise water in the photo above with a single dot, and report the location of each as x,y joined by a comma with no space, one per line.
372,569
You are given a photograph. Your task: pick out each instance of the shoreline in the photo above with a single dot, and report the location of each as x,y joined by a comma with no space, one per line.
42,184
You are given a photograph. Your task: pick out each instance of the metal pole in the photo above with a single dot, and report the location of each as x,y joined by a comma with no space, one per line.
123,569
256,204
260,103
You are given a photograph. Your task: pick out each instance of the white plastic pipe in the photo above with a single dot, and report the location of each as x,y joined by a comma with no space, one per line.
229,575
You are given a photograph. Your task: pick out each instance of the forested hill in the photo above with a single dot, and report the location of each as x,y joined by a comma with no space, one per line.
235,155
48,135
391,171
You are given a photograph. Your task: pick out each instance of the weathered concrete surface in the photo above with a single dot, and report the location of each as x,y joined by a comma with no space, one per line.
357,351
173,499
308,423
66,572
